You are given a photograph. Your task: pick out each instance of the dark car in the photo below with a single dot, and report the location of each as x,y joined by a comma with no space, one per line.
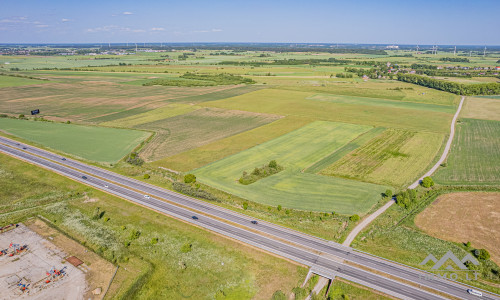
194,217
63,158
254,222
25,148
18,144
84,177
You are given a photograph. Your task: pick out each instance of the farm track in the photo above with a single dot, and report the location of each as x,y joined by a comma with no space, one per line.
350,238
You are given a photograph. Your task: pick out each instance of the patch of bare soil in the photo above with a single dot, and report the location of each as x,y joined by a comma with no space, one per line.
98,272
464,217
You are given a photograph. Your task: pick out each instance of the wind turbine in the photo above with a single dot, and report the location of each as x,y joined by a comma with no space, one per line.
484,52
455,51
136,47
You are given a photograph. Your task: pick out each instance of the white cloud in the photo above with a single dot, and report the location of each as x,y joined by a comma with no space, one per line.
114,29
42,26
157,29
127,13
64,20
205,31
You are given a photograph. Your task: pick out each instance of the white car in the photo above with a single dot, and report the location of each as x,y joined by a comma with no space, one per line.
106,186
474,292
146,196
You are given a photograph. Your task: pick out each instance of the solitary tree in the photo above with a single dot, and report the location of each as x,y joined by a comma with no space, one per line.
427,182
189,178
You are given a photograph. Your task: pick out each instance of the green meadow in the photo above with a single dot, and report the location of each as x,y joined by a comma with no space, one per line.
290,188
473,159
100,144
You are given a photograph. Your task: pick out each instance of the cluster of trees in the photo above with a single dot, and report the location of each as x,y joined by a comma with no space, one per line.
455,59
407,199
201,80
452,87
258,173
344,75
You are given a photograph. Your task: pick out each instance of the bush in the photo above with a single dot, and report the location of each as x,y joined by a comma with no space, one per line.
134,234
299,293
134,159
189,190
388,193
258,173
245,205
278,295
189,178
21,116
354,218
482,254
154,241
273,164
146,176
427,182
279,207
187,247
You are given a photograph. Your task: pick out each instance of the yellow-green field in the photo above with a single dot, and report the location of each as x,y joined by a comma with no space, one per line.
482,108
295,103
396,157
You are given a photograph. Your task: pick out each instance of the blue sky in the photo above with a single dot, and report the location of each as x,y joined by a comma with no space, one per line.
454,22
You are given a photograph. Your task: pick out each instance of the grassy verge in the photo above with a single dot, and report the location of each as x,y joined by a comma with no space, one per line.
148,246
395,236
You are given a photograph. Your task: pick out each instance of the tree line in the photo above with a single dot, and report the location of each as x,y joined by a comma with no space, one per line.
452,87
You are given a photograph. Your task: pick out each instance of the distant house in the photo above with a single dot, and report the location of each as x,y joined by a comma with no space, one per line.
497,67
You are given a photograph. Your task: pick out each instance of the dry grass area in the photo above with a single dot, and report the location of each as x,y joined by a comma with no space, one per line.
463,217
482,108
87,100
99,271
203,126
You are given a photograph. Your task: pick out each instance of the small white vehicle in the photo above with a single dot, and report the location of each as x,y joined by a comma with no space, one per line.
106,186
474,292
146,196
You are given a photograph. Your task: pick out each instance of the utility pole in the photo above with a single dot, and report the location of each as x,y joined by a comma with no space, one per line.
455,51
484,52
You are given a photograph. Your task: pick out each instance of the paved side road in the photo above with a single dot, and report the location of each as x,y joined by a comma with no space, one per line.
352,235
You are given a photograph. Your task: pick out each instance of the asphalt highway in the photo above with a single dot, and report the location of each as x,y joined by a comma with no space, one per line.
298,246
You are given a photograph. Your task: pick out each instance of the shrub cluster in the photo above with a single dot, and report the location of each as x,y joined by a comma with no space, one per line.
191,191
134,159
406,199
258,173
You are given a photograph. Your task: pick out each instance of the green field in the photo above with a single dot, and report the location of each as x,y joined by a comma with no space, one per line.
382,102
474,158
295,103
10,81
290,188
197,128
395,158
198,157
341,152
100,144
